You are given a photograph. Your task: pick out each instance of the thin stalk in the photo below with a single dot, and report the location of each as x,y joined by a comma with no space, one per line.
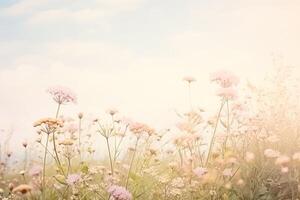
54,143
109,154
131,163
214,133
44,167
79,139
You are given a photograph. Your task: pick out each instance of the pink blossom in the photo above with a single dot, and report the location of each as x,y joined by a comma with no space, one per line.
72,179
224,78
62,95
227,172
282,160
200,171
119,193
36,170
227,93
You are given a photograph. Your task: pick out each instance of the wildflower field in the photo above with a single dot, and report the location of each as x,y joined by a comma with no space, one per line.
248,148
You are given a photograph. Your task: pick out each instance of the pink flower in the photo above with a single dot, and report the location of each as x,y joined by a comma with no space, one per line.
282,160
224,78
119,193
227,93
62,95
228,172
36,170
72,179
200,171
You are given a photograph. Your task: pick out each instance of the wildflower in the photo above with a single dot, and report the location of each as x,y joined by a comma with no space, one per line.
227,93
72,179
273,139
228,186
227,172
112,111
62,95
23,189
140,128
50,123
284,170
11,186
119,193
270,153
177,182
189,79
282,160
296,156
24,144
36,170
8,154
224,78
249,156
200,171
22,172
80,115
66,142
240,182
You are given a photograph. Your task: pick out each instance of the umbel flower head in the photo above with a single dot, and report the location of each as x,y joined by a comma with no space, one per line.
119,193
72,179
50,122
48,125
62,95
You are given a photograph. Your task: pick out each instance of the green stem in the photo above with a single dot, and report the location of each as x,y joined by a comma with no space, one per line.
109,154
44,167
131,163
214,133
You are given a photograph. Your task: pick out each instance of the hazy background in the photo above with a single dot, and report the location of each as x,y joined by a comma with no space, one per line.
132,54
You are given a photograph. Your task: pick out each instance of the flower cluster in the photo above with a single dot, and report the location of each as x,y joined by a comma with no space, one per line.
62,95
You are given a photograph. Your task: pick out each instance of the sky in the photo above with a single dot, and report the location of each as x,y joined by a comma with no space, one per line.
133,54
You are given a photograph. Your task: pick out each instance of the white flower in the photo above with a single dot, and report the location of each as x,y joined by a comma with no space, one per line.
270,153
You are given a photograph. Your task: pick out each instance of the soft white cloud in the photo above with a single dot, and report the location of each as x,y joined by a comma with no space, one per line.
66,11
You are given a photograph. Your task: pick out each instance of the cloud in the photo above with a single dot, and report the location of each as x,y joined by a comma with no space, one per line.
66,11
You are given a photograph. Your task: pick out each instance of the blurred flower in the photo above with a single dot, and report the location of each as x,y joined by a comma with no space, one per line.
240,182
66,142
227,172
227,93
200,171
36,170
23,189
140,128
189,79
80,115
296,156
62,95
273,139
24,144
224,78
249,156
119,193
72,179
112,111
270,153
282,160
284,170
